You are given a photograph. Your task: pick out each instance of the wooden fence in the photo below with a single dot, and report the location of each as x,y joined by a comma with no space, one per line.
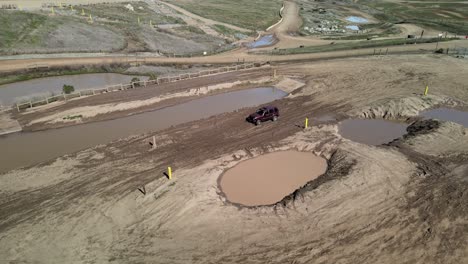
133,85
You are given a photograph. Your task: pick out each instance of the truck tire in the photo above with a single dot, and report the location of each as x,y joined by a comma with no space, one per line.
275,118
257,123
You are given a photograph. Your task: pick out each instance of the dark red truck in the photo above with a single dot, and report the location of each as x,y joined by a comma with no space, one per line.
263,114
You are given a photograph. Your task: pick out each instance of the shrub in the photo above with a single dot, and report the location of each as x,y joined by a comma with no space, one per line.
135,80
68,89
153,76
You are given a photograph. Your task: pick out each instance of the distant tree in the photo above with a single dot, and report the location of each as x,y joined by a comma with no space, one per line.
68,89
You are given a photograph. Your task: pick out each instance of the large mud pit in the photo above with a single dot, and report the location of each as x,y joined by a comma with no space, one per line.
371,131
53,143
267,179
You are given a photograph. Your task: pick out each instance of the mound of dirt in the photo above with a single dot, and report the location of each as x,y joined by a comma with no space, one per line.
437,138
402,107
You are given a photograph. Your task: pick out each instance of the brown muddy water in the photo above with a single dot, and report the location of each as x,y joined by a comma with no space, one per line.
28,148
13,92
447,114
267,179
371,131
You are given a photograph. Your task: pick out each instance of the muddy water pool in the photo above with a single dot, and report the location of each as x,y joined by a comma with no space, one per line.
267,179
23,149
10,93
447,114
371,131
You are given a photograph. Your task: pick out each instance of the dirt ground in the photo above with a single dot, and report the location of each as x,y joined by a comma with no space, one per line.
404,202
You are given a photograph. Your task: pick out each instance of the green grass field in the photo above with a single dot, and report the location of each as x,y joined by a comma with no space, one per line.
19,26
116,13
255,15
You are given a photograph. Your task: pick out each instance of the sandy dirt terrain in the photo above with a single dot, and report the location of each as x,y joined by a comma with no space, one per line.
8,124
401,202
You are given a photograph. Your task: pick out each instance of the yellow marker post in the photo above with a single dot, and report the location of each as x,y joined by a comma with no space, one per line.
169,172
306,123
82,12
427,90
53,11
19,7
71,7
151,23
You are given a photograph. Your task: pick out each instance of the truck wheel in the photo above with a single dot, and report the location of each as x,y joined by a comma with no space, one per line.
275,118
257,123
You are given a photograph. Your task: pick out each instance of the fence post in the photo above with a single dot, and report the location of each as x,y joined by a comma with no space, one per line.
133,85
94,92
17,107
47,100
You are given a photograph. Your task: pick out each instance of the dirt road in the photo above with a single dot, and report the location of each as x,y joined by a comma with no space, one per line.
405,201
291,24
229,57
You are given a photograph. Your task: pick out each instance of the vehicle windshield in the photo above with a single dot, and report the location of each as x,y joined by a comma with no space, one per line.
260,111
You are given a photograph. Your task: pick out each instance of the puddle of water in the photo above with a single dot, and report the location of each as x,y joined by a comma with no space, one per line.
9,93
23,149
263,41
371,131
356,19
267,179
447,114
353,27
